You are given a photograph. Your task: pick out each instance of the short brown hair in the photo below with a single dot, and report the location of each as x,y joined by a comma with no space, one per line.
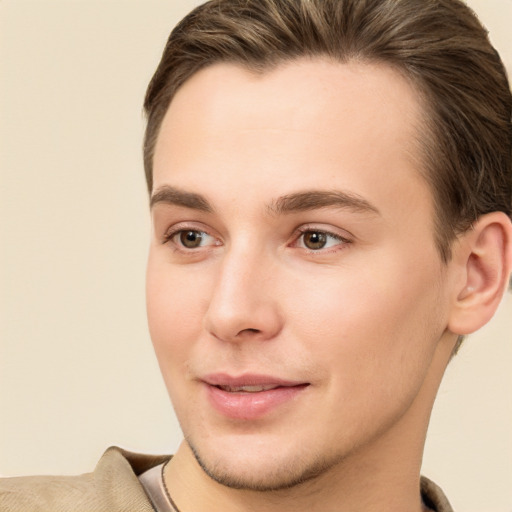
439,45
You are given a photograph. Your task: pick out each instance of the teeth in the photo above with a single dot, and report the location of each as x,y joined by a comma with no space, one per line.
247,389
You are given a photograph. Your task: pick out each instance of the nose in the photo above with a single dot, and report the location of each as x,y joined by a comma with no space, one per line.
243,303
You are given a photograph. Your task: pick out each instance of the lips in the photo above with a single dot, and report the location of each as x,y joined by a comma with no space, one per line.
250,397
247,389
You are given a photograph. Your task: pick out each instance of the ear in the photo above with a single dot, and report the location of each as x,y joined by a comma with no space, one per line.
484,262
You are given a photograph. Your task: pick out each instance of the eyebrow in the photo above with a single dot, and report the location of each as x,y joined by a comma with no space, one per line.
175,196
290,203
316,199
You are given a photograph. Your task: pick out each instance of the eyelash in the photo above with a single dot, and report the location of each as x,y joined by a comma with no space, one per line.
301,232
342,241
170,235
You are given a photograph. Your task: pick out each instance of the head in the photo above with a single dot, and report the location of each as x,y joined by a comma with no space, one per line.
439,46
370,153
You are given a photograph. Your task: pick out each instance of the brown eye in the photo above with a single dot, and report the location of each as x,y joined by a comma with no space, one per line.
191,239
315,240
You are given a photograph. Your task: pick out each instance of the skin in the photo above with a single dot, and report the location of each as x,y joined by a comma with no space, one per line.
363,320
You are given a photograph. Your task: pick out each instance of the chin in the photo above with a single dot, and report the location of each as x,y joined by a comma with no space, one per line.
246,471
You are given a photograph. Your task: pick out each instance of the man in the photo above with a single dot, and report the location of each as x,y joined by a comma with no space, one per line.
330,186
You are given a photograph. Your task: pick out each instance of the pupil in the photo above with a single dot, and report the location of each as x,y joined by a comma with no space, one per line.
315,240
191,239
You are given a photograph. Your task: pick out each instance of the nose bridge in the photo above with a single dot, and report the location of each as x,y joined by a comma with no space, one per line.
242,304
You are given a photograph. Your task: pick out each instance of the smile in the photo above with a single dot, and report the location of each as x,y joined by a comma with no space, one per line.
250,397
247,389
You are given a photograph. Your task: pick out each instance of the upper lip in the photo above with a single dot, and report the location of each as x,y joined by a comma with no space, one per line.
248,379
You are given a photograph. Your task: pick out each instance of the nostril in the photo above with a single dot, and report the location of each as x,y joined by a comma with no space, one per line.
255,331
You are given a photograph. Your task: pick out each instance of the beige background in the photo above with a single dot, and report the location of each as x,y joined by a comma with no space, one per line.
77,371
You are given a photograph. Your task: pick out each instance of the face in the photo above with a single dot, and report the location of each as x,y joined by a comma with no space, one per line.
294,290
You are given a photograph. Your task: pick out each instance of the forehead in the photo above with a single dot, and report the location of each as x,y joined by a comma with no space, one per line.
297,90
310,119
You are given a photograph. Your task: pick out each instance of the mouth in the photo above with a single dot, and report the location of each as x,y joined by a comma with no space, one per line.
247,389
251,397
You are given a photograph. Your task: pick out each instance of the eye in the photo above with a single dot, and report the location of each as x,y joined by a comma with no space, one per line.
192,238
316,240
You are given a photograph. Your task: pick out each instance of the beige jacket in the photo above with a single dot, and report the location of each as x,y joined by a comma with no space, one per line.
114,487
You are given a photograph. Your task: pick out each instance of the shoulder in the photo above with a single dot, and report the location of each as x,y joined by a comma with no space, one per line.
112,487
434,497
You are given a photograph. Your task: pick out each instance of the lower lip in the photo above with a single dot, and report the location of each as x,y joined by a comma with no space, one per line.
251,406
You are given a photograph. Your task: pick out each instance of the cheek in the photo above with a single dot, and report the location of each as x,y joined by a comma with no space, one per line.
375,325
174,301
371,344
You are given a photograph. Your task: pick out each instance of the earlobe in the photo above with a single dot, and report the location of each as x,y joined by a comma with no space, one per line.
485,254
